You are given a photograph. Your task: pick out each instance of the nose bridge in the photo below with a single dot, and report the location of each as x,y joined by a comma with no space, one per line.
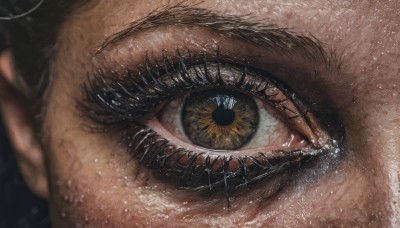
383,156
394,194
391,168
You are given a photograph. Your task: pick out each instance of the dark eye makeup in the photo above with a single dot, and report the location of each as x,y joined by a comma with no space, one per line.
232,124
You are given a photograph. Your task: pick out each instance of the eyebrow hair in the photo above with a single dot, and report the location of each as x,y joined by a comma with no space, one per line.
268,36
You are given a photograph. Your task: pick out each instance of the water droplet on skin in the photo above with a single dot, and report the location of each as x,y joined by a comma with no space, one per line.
63,214
379,86
69,183
68,199
341,210
331,193
125,202
96,160
185,203
126,210
99,173
81,199
86,218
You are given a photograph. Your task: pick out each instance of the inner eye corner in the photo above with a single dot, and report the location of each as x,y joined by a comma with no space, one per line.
220,111
227,109
215,115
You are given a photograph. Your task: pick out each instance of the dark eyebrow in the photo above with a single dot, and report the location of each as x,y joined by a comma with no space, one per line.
268,36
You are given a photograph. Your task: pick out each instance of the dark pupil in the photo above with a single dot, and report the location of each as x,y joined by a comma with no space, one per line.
220,120
223,116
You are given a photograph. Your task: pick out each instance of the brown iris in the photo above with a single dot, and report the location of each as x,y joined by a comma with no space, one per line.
220,120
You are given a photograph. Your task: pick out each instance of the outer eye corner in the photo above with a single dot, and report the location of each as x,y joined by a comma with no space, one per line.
213,124
262,142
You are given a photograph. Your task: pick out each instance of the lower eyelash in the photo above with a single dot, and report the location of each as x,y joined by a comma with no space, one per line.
122,104
202,172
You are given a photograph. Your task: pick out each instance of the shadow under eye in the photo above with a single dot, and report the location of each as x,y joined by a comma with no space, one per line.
129,103
208,173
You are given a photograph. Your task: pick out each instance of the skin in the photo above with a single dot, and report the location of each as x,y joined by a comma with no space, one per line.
89,177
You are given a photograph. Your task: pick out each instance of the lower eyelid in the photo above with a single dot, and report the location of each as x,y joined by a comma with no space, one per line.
155,151
185,144
276,130
181,141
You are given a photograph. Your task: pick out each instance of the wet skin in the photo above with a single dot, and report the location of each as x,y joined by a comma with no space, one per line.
92,179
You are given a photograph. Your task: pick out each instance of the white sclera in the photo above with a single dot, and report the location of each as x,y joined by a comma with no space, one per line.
272,131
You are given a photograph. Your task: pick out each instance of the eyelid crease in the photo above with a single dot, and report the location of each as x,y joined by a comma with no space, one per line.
109,99
267,36
148,89
146,83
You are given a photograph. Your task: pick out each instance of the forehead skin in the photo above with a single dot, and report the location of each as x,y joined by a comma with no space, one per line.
91,180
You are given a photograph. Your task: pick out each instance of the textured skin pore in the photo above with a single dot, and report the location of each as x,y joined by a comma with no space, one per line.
94,182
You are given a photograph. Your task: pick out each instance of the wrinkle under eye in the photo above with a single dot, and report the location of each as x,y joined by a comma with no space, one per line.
131,103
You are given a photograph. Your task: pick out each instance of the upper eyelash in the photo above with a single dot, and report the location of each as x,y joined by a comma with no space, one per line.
147,90
121,103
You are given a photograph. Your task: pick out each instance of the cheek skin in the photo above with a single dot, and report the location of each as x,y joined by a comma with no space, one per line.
93,184
93,181
92,187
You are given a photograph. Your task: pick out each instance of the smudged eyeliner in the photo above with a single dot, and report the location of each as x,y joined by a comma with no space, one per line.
125,103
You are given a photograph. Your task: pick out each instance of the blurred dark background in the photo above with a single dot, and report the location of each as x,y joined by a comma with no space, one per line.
14,7
18,206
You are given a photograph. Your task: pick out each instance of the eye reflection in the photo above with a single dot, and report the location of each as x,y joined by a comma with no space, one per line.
220,120
207,124
228,120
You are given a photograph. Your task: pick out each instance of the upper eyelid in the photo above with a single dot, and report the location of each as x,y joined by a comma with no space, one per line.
268,36
148,79
283,159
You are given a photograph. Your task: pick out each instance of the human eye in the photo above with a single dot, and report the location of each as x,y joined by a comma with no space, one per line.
204,121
